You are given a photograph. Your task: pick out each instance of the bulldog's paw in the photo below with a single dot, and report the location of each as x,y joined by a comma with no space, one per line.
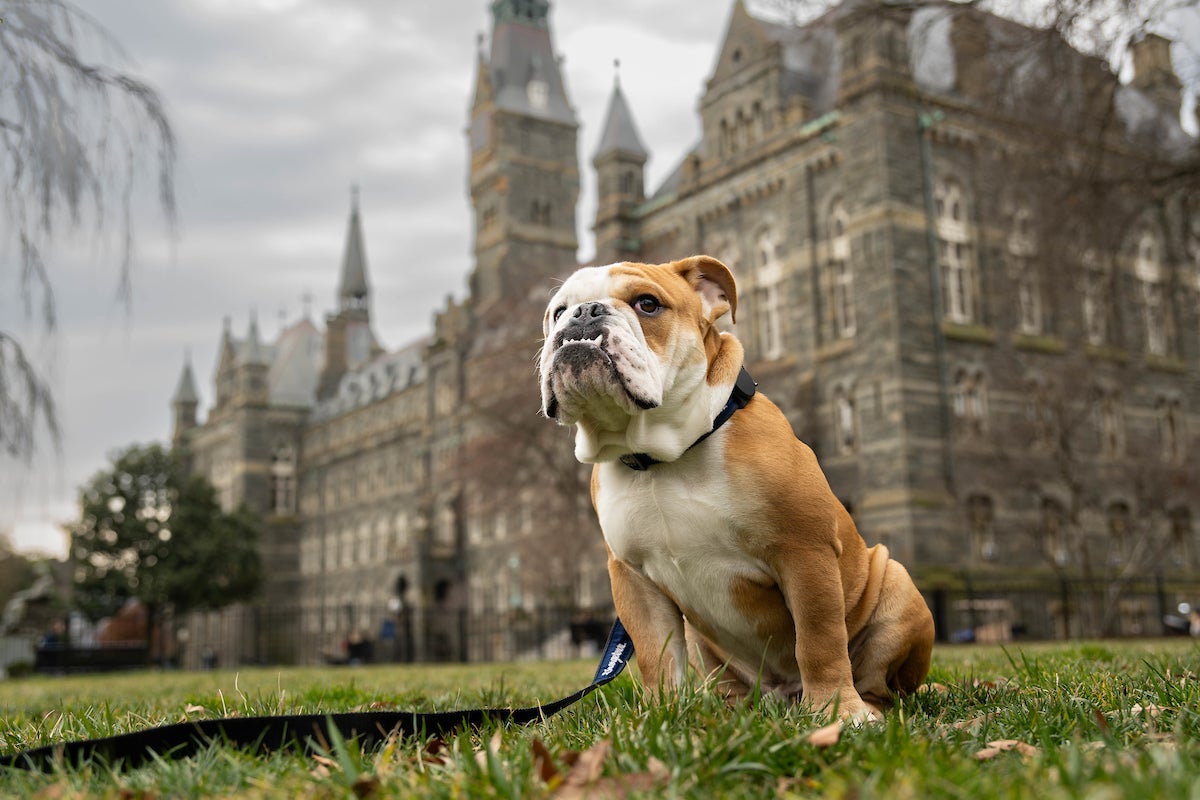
845,705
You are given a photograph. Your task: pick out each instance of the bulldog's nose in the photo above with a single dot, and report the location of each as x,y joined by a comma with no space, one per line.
587,311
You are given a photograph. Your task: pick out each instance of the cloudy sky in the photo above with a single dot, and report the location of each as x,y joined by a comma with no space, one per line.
280,106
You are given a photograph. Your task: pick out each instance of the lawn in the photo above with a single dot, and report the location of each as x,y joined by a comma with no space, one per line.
1076,720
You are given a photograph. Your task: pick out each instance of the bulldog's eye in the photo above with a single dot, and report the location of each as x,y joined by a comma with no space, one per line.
558,312
647,304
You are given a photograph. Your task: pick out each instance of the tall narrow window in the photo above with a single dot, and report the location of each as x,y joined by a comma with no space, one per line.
1110,419
955,257
283,480
969,403
840,277
1155,317
1041,412
1170,437
981,525
1097,300
1054,533
1022,252
1118,532
768,275
845,421
1183,544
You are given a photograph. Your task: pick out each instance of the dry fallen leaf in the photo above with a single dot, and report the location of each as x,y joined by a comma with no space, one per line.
1003,746
826,736
585,781
543,762
192,708
493,747
1151,710
974,722
934,687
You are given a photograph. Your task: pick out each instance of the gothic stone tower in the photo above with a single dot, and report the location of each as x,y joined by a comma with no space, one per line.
524,176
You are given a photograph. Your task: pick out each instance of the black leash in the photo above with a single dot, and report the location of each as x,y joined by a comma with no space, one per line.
269,733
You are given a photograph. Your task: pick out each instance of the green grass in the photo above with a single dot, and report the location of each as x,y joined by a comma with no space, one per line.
1093,720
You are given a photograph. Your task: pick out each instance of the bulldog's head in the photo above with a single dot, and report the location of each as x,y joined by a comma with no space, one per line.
632,356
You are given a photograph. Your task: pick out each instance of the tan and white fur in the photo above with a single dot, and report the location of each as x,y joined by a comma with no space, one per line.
733,555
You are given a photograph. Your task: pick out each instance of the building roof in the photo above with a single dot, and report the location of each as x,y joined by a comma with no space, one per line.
384,375
296,367
620,134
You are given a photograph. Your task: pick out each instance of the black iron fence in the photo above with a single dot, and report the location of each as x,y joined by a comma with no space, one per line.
989,609
965,609
353,634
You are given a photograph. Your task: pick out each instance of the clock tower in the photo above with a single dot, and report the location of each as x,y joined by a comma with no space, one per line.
524,166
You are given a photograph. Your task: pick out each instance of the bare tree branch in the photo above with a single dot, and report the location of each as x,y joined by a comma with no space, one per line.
73,136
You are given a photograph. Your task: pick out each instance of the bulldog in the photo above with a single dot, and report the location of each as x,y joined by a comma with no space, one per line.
726,547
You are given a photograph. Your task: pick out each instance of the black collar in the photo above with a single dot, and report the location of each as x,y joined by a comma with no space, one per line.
743,390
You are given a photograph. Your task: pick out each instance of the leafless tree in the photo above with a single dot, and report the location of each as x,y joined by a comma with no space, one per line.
528,462
75,135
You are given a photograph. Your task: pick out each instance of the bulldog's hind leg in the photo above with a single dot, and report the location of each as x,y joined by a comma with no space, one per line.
890,655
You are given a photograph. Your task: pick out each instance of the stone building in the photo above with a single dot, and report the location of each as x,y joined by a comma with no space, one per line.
997,363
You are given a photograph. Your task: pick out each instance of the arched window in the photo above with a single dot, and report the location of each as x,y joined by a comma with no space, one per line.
955,253
1147,268
840,275
283,480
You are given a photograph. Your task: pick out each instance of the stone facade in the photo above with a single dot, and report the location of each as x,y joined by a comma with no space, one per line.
992,385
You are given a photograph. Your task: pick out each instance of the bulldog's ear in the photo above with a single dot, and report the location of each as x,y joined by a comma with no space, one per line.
713,281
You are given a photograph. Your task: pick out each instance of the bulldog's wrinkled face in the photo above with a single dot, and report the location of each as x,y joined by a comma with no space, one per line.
630,338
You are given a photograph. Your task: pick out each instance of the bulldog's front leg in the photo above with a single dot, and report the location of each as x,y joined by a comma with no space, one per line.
813,590
654,623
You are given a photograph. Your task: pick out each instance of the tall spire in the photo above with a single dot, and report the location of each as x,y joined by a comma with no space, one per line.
253,352
354,291
184,403
620,134
186,391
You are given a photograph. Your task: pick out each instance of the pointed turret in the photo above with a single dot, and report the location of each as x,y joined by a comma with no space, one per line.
254,361
620,134
253,351
184,403
226,364
620,162
349,341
